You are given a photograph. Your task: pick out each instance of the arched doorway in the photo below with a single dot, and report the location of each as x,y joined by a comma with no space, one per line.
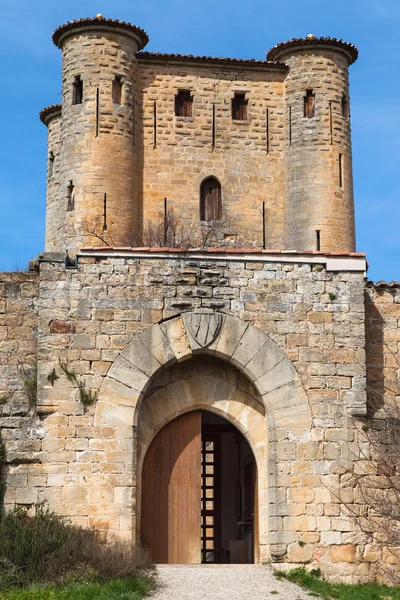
199,499
210,200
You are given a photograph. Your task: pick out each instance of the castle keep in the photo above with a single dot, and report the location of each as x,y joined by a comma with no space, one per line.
205,402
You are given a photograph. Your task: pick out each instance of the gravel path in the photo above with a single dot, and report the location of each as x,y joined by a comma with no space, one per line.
224,582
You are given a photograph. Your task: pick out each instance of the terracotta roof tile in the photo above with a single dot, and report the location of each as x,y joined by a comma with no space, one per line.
49,111
384,284
348,48
220,250
99,22
211,59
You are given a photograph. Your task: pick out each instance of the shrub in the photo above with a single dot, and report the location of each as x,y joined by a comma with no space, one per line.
47,548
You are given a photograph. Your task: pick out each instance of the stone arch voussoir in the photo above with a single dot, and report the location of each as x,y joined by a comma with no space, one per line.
281,412
239,343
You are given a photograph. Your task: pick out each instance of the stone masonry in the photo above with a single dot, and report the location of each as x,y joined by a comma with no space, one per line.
277,164
306,345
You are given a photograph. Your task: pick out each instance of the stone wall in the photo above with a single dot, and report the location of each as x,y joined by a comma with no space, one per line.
20,431
382,305
250,168
93,318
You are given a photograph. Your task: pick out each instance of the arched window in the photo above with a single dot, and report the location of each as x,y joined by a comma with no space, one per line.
210,200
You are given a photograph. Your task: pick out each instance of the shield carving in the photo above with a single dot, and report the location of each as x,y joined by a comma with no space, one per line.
204,326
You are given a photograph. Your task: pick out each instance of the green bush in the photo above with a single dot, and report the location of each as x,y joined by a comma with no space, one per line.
47,548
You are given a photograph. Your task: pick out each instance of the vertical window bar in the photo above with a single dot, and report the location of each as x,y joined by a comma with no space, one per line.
155,125
331,122
213,126
341,170
97,111
105,213
318,239
263,217
267,131
165,223
133,123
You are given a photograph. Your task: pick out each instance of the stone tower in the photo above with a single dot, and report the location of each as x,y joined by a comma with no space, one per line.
241,372
319,180
118,145
95,184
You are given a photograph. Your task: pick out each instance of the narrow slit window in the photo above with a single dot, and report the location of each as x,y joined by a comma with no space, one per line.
341,170
183,104
71,197
78,90
117,87
345,106
309,104
318,239
51,164
239,107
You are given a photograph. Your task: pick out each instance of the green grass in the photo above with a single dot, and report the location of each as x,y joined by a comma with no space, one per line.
115,589
339,591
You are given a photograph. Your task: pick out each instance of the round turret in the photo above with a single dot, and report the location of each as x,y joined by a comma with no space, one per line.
98,195
51,117
319,181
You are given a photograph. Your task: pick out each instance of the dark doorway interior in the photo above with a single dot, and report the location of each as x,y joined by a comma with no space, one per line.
228,493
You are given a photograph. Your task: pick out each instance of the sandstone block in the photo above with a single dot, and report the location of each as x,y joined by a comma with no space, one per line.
345,553
298,553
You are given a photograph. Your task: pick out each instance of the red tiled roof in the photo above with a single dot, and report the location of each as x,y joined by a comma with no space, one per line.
211,59
49,111
99,22
348,48
220,250
384,284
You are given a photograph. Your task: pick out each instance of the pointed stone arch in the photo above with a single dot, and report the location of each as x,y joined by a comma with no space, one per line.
281,421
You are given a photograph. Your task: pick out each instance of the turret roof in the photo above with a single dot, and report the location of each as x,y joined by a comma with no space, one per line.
99,21
49,111
276,52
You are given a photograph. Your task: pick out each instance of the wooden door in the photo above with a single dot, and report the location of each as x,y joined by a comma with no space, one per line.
210,200
171,493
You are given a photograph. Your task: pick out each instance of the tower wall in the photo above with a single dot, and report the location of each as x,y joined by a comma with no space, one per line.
99,154
316,199
55,218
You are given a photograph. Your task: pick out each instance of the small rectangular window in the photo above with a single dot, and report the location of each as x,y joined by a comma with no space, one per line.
345,106
183,103
78,90
51,164
239,107
117,86
309,104
318,240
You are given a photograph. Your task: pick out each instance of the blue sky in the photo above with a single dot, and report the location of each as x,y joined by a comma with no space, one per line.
30,72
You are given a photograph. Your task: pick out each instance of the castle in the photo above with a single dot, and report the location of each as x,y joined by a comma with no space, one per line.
203,402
